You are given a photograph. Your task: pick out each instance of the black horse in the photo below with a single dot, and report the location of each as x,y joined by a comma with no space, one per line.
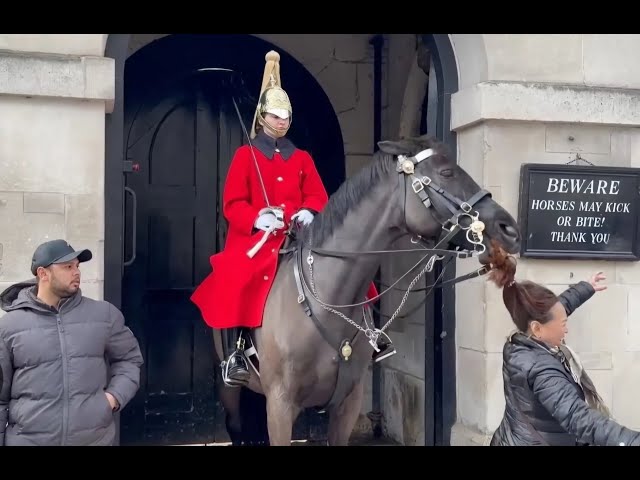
313,346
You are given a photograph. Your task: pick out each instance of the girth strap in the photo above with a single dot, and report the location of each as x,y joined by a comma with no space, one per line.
346,367
347,378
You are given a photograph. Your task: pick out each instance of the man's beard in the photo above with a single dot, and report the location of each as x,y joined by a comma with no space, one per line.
62,292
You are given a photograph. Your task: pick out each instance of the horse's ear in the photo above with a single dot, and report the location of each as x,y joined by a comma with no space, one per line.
392,148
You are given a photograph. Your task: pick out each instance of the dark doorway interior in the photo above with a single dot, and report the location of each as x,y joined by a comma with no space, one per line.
180,130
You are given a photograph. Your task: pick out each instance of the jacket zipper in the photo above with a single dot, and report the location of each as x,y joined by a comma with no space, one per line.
65,383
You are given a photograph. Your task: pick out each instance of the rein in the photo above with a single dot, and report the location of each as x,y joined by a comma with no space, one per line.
458,209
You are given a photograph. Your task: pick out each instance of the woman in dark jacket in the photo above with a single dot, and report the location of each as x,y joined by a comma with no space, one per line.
550,399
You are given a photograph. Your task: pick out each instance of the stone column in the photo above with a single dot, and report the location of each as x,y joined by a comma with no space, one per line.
54,93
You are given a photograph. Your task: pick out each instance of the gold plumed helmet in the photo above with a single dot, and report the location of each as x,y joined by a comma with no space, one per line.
273,99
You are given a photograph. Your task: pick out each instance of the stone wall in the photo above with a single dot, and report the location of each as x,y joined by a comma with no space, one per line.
544,98
403,375
521,97
54,91
53,101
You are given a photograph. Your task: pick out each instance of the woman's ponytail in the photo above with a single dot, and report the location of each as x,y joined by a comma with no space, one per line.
526,301
503,267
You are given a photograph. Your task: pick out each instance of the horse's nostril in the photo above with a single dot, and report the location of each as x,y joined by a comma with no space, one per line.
509,230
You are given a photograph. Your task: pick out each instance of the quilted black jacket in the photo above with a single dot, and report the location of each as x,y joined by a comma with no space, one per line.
539,388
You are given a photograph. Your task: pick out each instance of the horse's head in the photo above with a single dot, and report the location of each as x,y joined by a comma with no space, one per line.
437,193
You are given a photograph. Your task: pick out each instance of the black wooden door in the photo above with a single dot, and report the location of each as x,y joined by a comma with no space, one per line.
180,142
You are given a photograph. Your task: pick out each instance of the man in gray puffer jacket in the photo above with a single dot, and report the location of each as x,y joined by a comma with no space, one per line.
68,362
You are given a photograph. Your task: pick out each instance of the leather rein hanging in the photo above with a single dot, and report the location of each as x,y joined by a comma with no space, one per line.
405,167
422,187
458,210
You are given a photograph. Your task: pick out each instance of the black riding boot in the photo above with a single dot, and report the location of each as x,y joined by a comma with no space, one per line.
235,369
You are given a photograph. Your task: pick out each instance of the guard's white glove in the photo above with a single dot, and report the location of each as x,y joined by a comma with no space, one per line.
269,219
303,216
265,221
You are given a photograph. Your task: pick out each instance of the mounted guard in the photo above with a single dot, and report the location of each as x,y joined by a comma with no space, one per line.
270,184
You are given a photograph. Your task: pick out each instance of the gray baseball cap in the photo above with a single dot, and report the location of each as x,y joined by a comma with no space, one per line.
57,251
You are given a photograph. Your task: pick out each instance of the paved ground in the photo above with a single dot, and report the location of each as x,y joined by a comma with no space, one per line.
365,440
356,440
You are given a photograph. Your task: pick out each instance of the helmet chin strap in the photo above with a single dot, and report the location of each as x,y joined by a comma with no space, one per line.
276,132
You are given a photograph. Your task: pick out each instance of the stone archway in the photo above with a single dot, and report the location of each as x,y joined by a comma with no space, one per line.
444,301
458,62
431,80
310,127
163,62
446,70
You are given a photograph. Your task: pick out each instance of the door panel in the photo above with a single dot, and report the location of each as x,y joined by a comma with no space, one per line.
181,128
174,140
183,138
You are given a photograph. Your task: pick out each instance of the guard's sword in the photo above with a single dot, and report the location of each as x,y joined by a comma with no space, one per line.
251,253
246,133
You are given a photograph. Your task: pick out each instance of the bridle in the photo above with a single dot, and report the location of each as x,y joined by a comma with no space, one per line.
423,187
451,227
458,209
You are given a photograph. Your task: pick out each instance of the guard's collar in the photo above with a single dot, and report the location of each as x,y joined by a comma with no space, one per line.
268,145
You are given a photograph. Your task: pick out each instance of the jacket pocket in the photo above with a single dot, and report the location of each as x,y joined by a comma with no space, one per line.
106,410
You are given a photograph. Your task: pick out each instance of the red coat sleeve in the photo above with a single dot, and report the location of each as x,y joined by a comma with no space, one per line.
314,195
236,198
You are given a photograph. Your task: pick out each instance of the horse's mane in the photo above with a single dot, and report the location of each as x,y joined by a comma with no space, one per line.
355,189
352,191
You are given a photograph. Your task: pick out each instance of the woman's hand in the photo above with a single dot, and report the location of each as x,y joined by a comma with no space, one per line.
597,278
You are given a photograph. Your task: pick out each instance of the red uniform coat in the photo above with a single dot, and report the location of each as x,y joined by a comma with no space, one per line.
235,292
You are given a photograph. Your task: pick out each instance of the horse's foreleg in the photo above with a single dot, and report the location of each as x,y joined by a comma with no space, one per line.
230,398
344,418
281,414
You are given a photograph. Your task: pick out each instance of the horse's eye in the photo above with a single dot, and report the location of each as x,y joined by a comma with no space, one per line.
447,172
